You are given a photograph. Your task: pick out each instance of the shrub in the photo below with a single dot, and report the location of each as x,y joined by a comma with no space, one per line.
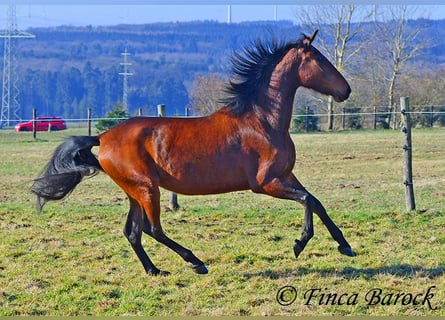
304,122
115,116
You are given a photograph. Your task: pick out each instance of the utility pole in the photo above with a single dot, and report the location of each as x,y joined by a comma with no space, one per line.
10,92
229,14
125,74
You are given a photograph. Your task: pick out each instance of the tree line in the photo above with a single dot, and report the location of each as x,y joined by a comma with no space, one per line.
70,93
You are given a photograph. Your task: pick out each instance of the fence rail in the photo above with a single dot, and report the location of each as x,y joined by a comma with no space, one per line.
309,120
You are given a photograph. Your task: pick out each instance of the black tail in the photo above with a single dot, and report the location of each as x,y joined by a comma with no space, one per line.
71,161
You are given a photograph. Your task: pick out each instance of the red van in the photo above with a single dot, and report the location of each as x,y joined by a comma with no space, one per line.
47,123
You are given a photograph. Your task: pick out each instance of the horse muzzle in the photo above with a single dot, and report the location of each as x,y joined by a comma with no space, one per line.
342,96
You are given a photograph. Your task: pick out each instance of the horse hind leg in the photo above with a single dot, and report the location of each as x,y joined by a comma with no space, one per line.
133,232
152,226
197,265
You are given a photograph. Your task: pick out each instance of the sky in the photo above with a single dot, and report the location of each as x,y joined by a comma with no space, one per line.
49,14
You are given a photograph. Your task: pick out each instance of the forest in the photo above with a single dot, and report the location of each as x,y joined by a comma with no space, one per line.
66,70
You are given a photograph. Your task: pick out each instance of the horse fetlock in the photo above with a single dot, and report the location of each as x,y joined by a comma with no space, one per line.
298,247
188,256
307,234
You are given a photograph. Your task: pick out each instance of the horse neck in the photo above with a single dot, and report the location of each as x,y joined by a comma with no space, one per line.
278,98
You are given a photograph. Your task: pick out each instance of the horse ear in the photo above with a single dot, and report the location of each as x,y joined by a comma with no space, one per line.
307,41
312,37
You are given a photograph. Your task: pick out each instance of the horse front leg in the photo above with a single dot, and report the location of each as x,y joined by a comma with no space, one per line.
335,232
308,230
291,188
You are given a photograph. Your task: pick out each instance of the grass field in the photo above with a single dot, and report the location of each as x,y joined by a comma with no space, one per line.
72,259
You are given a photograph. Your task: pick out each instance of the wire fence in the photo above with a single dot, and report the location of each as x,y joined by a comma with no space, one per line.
312,119
351,118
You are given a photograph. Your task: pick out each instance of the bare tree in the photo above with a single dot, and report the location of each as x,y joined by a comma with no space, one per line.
206,92
339,25
401,45
425,84
367,78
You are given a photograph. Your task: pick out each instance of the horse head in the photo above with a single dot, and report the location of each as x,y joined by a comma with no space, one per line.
317,73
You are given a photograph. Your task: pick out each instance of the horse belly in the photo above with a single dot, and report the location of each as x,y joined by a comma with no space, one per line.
200,179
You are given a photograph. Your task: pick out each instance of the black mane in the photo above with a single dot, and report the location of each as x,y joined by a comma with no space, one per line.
252,68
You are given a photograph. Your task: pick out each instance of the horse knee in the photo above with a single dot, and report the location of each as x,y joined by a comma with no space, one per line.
310,201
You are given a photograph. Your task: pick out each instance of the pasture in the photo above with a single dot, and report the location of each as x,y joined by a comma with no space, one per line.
72,259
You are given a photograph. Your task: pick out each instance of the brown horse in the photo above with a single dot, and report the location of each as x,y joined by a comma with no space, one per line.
245,145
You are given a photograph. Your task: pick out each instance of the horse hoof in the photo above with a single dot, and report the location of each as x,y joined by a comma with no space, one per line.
298,248
347,251
200,269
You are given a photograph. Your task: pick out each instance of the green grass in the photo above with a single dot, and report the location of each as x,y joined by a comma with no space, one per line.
72,259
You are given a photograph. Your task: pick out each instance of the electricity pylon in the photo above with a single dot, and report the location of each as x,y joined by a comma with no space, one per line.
125,74
10,92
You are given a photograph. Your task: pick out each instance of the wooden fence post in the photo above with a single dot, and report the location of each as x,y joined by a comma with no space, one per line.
343,118
432,117
173,197
407,155
34,123
161,110
89,121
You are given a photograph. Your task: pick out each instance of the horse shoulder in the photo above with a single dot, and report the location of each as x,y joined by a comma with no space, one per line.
276,159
